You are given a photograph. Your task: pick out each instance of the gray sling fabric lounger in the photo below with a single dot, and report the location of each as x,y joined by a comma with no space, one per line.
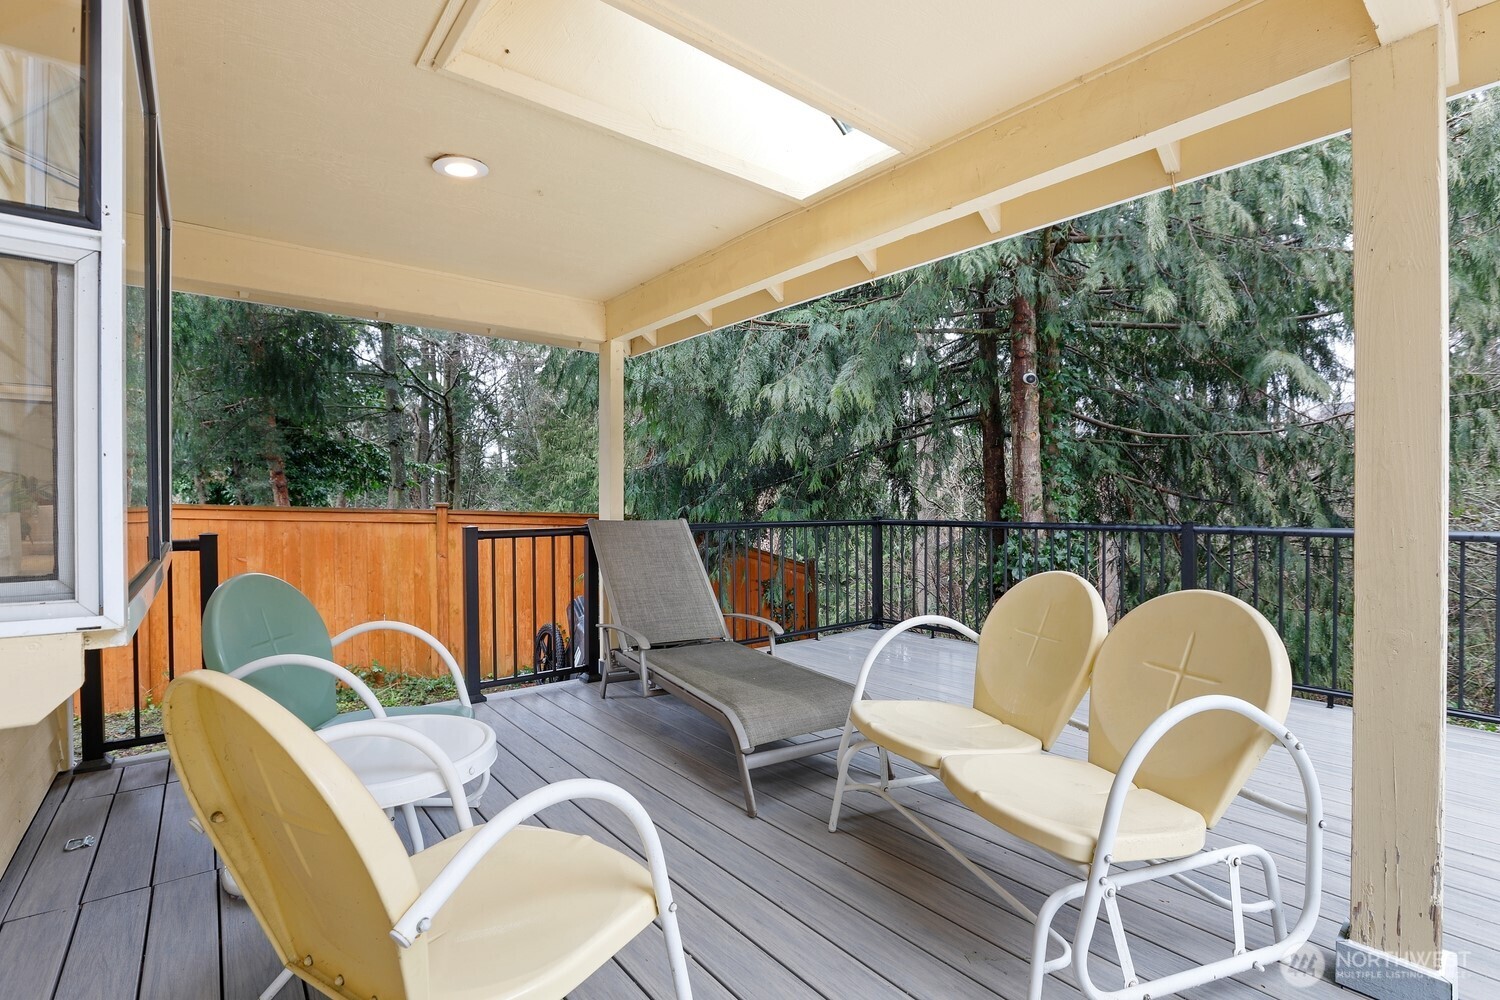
667,627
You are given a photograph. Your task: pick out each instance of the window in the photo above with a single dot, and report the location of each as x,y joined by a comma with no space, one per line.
146,327
36,323
45,104
85,236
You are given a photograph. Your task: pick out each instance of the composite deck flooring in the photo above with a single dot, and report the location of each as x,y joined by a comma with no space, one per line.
771,907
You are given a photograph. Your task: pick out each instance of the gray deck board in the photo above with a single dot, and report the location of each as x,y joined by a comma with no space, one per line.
182,941
32,952
113,931
127,849
773,907
31,840
248,961
55,878
180,850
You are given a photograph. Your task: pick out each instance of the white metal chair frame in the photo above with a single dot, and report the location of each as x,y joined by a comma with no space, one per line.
1099,887
360,688
417,919
427,637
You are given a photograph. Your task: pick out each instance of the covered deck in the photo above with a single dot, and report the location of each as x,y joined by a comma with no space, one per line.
771,907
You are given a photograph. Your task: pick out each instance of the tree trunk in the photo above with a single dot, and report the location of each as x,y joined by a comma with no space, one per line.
992,430
1051,359
424,433
1025,414
281,491
452,373
395,418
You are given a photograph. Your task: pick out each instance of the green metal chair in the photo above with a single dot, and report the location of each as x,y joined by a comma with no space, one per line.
261,629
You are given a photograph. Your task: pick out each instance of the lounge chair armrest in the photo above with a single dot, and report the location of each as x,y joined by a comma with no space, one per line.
918,622
418,917
317,663
773,627
639,641
427,637
441,762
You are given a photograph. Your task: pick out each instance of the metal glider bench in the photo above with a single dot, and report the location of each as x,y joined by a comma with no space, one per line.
1188,693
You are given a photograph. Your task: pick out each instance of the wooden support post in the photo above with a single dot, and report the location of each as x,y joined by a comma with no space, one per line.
612,430
1400,505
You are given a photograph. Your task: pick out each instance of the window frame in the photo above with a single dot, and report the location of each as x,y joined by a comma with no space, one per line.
106,606
89,213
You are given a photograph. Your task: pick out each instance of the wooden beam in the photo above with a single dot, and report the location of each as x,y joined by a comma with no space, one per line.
777,290
1398,19
232,265
1448,27
1258,56
1307,119
707,317
990,216
869,260
1170,155
612,431
1400,496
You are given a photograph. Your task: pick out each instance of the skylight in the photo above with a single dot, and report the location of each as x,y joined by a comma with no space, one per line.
590,61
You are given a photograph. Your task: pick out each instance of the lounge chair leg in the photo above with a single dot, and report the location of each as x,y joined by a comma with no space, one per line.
276,985
745,780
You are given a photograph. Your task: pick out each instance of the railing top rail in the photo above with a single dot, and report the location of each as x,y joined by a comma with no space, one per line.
570,531
1145,529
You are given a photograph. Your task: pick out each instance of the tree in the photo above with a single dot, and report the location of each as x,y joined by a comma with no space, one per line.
267,389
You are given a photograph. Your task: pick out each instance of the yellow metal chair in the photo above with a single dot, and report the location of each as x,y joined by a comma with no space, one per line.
1035,652
499,910
1189,691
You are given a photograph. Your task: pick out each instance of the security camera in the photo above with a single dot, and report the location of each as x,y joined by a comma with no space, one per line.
1029,378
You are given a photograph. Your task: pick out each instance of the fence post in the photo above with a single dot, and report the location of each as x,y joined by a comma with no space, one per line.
208,568
877,573
471,612
591,608
1188,541
91,715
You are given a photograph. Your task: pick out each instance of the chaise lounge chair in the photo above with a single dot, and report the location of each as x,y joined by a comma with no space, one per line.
667,628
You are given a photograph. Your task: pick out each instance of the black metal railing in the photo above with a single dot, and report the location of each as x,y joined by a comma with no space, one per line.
822,576
102,732
531,599
531,603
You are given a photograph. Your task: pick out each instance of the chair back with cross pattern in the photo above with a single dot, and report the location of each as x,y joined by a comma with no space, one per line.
255,615
1036,650
318,862
1176,647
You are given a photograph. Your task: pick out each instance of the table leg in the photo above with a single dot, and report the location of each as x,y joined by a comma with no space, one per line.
410,812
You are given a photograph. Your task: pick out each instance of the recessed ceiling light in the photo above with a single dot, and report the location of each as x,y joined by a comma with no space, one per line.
465,167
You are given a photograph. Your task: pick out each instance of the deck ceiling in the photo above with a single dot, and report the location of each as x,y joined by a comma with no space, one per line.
299,136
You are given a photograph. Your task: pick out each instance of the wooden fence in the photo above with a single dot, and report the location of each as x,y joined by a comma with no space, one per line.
359,565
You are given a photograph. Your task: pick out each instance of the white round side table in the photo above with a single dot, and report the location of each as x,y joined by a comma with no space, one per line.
400,774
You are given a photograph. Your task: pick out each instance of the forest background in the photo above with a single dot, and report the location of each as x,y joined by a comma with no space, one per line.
1192,356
